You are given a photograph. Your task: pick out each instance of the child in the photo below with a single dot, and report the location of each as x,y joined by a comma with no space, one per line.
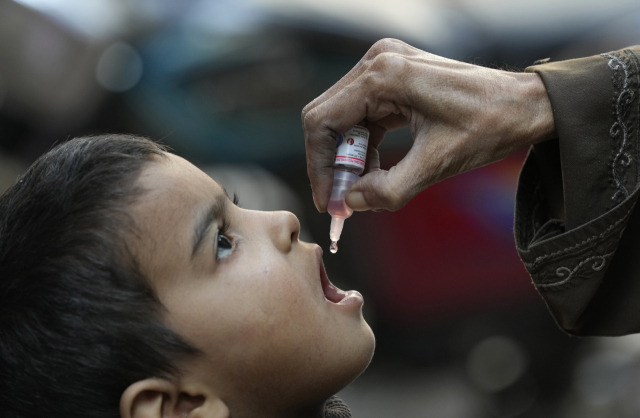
131,285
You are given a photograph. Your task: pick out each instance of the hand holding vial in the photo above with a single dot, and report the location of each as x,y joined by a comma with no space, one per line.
461,116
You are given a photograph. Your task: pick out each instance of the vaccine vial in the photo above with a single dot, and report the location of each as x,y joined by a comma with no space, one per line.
351,154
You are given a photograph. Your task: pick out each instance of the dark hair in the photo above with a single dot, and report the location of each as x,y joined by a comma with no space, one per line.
78,321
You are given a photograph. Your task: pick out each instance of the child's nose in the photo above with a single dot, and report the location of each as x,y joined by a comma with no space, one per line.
286,230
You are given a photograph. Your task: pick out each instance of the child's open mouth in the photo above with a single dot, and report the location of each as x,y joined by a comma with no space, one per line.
335,295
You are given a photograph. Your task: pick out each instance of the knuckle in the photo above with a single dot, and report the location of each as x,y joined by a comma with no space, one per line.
378,47
389,196
382,79
386,45
397,190
389,64
395,200
310,118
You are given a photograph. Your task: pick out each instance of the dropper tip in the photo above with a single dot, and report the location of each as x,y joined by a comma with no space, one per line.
333,247
335,230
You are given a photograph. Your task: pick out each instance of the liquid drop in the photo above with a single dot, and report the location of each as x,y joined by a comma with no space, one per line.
333,247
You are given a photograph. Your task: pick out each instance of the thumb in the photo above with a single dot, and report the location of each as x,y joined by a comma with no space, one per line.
380,189
392,189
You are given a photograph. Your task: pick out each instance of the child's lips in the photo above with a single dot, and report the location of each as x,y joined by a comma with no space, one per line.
334,294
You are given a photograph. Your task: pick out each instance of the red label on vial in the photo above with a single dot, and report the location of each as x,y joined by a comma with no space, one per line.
352,147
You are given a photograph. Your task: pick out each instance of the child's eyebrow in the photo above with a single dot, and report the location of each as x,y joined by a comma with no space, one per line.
204,221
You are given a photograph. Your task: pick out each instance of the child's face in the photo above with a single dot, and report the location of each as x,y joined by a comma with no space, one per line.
250,298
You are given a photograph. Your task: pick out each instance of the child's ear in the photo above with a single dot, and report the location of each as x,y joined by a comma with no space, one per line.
160,398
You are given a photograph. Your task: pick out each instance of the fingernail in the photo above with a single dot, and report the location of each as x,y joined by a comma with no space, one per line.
356,201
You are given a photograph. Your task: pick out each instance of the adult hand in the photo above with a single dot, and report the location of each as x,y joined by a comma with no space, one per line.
460,116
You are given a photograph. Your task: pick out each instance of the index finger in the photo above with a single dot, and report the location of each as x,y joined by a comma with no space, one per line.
380,47
320,144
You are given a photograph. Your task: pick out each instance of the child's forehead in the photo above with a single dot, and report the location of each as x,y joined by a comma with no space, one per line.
174,193
177,177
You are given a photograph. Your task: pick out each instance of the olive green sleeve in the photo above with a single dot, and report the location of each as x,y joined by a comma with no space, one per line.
577,226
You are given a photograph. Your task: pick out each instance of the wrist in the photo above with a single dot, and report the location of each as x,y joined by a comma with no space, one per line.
534,111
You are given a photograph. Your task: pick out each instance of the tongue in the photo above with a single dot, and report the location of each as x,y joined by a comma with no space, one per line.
332,293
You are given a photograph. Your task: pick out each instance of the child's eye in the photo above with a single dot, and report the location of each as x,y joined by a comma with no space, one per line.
224,245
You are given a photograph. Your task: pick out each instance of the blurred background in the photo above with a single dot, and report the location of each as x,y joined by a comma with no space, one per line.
461,331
